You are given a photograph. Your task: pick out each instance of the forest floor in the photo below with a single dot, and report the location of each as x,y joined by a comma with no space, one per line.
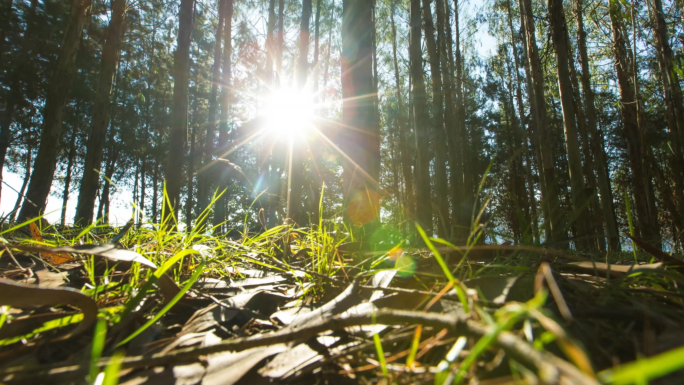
149,306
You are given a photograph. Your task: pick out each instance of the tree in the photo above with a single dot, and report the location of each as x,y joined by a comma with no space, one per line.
101,112
359,136
60,83
179,122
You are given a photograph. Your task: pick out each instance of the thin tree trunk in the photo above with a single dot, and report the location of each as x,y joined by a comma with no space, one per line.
204,182
599,242
67,178
550,193
101,116
441,183
27,175
465,194
178,135
421,121
296,169
58,90
226,96
191,170
404,132
16,78
596,139
155,190
630,124
103,211
141,206
531,213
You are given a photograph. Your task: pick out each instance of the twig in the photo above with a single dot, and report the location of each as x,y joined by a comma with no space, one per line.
550,367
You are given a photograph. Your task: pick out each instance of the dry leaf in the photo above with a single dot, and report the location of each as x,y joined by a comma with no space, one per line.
52,258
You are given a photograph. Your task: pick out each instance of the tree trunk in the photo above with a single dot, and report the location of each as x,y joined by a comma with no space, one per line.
296,169
16,78
191,170
362,142
178,135
441,184
58,91
101,116
553,220
20,196
465,194
67,178
141,206
673,103
103,211
155,189
598,240
531,212
596,138
404,131
629,122
420,122
226,96
204,182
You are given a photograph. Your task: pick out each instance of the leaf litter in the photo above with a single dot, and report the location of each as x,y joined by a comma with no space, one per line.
188,308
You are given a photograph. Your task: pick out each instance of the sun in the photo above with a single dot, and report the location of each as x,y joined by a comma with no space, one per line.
289,113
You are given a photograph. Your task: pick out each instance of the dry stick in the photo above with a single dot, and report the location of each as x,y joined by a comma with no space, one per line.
550,367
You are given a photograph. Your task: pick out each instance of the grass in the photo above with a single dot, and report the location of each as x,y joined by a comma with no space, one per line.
312,257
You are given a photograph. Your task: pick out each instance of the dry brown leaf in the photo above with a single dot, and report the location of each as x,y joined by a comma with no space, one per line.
29,296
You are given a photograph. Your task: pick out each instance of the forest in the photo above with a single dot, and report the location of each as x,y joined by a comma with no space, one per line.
565,132
319,190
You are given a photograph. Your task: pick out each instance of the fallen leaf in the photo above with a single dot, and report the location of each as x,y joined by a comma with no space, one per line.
52,258
29,296
616,271
107,251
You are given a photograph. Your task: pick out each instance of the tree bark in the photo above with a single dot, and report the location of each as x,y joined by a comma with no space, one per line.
553,220
178,135
361,143
531,212
204,178
596,140
20,196
16,78
101,116
421,121
631,129
441,183
67,178
58,90
404,131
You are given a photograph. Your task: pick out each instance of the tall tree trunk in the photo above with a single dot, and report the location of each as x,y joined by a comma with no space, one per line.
598,240
441,184
596,140
553,221
141,205
103,210
362,142
673,103
101,115
296,169
155,190
226,96
531,213
281,40
191,170
27,175
204,182
67,178
421,121
16,74
58,90
178,135
465,194
630,124
404,131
